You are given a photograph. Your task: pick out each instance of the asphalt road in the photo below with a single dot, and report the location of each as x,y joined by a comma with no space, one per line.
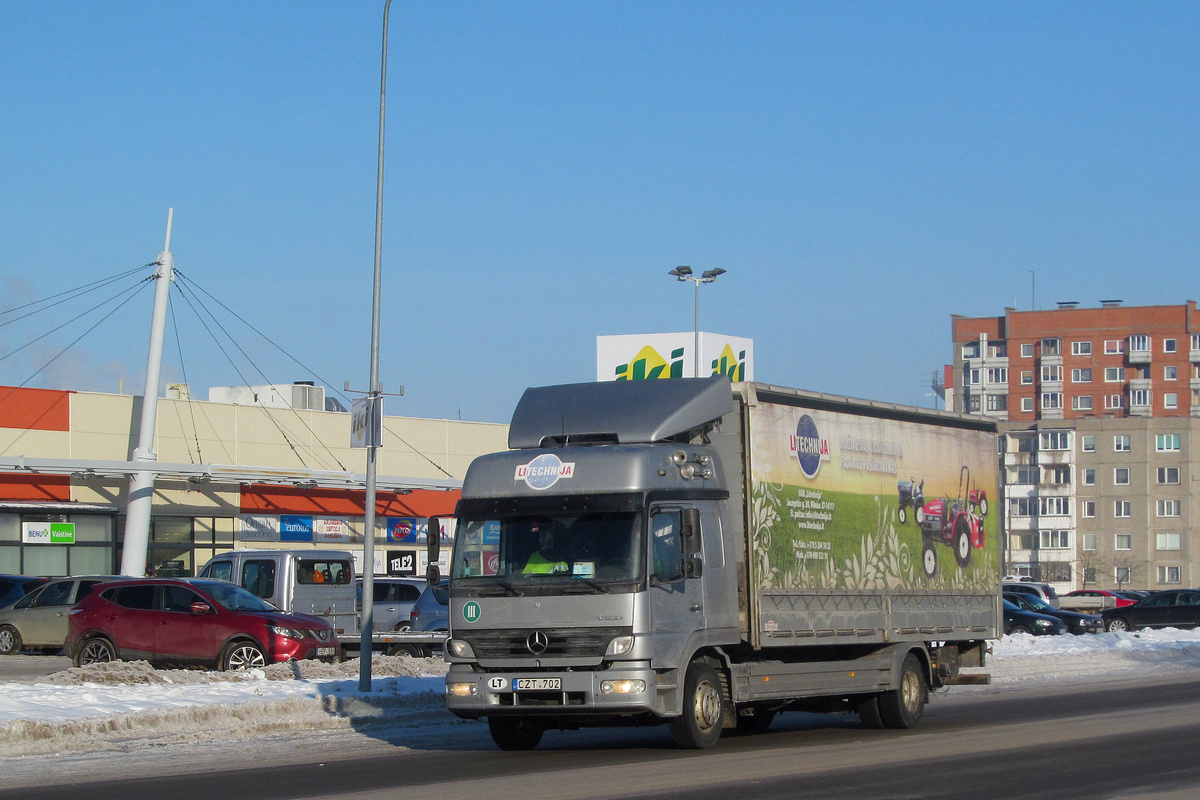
1120,740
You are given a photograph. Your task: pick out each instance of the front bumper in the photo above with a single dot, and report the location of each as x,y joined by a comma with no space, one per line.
623,689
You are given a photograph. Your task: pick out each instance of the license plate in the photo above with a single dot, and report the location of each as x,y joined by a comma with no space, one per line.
324,651
537,684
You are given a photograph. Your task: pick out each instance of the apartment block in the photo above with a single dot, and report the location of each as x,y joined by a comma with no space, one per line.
1099,410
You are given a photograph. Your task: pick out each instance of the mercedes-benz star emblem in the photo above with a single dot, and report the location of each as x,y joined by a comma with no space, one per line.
537,642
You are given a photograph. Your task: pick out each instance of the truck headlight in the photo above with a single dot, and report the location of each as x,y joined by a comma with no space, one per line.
622,687
619,646
459,648
462,689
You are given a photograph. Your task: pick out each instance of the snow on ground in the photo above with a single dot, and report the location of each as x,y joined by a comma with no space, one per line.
119,705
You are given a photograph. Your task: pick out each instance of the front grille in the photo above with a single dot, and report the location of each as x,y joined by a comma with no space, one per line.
560,642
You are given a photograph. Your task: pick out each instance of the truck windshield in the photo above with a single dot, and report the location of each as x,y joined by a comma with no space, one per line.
559,552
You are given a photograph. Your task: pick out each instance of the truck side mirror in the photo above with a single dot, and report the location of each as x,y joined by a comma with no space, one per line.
691,531
433,539
433,575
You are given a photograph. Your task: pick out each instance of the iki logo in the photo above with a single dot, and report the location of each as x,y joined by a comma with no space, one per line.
730,365
809,447
648,364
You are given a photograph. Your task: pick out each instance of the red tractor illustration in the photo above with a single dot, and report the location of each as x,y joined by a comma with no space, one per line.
912,495
953,523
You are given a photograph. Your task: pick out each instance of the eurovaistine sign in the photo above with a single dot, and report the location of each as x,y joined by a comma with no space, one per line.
650,356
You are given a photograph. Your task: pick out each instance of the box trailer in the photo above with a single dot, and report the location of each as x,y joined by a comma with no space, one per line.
706,555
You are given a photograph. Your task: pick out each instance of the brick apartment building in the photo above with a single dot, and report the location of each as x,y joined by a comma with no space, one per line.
1099,410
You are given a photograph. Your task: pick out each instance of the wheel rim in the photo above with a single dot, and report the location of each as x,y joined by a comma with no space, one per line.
1118,625
95,652
707,706
910,692
929,560
964,546
6,639
246,656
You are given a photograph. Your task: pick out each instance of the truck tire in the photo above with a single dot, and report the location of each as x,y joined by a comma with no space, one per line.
903,707
515,733
962,542
868,713
700,724
10,640
408,649
929,558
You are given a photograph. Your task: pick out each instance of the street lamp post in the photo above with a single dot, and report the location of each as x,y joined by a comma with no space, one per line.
708,276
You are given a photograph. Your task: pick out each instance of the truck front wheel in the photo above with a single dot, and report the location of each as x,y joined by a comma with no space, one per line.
904,706
515,733
700,724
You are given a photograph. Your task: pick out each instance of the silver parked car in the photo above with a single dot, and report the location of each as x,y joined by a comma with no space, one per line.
40,619
394,599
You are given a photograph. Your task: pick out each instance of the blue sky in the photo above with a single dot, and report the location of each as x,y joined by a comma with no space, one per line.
862,171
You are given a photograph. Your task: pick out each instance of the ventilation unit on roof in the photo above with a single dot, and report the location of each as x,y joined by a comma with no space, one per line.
1064,304
1111,303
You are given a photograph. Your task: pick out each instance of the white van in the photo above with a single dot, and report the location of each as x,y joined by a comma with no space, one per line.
315,582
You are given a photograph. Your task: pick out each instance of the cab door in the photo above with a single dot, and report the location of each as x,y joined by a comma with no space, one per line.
676,601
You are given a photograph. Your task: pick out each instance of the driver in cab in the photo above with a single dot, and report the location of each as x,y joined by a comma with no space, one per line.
544,560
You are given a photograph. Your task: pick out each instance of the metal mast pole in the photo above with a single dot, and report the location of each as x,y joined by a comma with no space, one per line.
374,391
696,374
141,484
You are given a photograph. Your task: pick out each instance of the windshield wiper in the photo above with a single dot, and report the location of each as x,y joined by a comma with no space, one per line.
599,589
500,583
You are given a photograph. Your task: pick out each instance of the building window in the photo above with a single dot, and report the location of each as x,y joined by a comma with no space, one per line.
1089,477
1026,351
1081,375
1089,444
1023,476
1167,442
1139,343
1113,374
1123,541
1081,348
1088,509
1121,443
1169,345
1059,475
1170,373
1055,506
1123,575
1027,377
1169,508
1169,575
1051,401
1168,475
973,377
997,375
1027,404
1052,373
1139,397
1022,506
1121,476
1121,509
1055,440
1089,575
1114,401
1114,346
1050,347
1170,400
1055,540
1082,403
997,402
973,403
971,350
1168,541
1089,541
1196,341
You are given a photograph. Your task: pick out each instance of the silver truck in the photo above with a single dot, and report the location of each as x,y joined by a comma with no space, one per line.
706,555
320,583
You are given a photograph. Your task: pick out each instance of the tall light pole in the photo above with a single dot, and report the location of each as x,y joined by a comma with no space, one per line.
708,276
374,393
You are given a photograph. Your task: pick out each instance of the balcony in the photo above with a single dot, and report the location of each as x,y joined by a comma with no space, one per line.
1138,357
1194,355
1140,383
1050,361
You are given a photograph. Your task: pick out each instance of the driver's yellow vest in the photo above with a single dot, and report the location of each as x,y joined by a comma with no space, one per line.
539,564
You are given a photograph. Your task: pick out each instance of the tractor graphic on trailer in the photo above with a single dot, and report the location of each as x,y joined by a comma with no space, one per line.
956,523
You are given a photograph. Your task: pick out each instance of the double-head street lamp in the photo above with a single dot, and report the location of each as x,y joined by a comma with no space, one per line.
708,276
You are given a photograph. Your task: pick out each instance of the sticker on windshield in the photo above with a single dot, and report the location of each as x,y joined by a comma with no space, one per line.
544,471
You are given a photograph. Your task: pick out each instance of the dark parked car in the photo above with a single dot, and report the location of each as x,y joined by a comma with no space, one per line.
14,587
192,621
1075,622
40,619
1177,608
1018,620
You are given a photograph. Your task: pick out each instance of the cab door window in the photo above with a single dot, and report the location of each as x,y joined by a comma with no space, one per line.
667,546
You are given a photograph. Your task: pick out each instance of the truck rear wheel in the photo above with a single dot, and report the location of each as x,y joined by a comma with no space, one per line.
904,706
515,733
700,724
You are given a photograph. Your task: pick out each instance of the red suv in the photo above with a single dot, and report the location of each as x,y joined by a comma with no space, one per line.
190,621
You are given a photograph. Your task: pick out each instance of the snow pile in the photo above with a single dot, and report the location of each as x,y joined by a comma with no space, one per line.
121,706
